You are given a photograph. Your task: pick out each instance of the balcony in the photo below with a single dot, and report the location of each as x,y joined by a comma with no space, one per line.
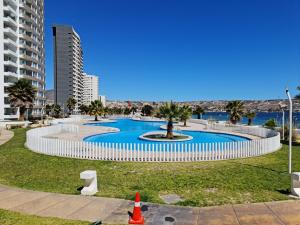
9,42
11,63
10,33
13,3
12,74
10,9
10,21
11,53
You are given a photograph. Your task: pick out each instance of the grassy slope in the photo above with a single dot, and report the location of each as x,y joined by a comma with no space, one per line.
256,179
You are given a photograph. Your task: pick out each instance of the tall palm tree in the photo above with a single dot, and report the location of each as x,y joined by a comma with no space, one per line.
56,109
21,94
71,102
170,111
185,114
235,109
96,109
199,111
250,116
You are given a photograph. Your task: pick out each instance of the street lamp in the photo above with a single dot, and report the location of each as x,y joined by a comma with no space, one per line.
290,131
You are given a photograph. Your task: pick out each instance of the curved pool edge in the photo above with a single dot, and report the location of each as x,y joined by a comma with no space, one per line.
230,136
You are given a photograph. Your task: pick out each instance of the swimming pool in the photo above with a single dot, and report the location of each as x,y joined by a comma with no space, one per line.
130,131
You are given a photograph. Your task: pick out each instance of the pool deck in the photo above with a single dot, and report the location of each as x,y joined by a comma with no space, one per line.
85,130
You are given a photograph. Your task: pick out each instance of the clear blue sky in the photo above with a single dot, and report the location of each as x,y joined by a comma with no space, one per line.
184,50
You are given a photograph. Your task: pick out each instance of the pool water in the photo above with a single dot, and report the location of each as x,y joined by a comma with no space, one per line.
130,131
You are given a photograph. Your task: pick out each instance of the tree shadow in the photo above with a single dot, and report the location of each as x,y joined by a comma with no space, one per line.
284,192
286,142
264,168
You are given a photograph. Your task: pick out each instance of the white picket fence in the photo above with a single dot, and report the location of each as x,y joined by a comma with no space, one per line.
38,141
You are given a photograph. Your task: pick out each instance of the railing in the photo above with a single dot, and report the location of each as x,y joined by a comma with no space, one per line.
38,141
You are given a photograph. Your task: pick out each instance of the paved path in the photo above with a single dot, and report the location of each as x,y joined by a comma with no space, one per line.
111,210
5,135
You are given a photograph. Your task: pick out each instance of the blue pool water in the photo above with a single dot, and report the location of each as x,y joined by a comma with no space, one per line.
130,131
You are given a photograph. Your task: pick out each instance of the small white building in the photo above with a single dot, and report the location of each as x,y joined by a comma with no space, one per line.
90,88
102,99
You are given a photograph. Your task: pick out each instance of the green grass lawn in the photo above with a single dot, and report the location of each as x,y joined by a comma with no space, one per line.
12,218
256,179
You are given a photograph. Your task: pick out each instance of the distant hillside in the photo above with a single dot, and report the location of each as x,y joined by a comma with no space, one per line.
217,106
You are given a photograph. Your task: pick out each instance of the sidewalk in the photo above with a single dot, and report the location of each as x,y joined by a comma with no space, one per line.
111,210
5,135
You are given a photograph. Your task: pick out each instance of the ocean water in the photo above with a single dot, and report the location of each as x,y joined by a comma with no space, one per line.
261,117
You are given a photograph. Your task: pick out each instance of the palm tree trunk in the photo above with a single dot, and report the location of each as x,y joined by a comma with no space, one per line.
96,117
249,122
22,111
170,129
184,123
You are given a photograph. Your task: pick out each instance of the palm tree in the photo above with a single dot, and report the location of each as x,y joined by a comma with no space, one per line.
235,110
133,110
199,111
84,109
56,109
48,109
21,94
185,113
71,102
96,109
127,111
170,111
147,110
250,116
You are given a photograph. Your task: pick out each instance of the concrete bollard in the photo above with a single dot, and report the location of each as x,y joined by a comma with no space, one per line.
295,187
90,186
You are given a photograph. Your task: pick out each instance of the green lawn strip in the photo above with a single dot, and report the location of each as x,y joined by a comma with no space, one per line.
13,218
254,179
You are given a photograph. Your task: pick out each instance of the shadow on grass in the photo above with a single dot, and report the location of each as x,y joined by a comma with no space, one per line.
262,167
286,142
284,192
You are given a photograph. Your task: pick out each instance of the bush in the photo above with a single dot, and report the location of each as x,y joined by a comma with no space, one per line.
271,124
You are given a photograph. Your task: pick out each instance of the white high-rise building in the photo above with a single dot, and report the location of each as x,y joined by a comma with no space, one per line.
22,53
90,88
68,66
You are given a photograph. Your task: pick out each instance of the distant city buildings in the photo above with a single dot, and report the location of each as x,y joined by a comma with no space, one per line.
90,88
22,52
68,66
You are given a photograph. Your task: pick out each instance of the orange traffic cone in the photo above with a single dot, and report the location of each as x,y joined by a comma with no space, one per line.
136,217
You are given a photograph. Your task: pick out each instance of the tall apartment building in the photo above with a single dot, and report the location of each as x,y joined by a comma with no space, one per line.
22,53
90,88
68,66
